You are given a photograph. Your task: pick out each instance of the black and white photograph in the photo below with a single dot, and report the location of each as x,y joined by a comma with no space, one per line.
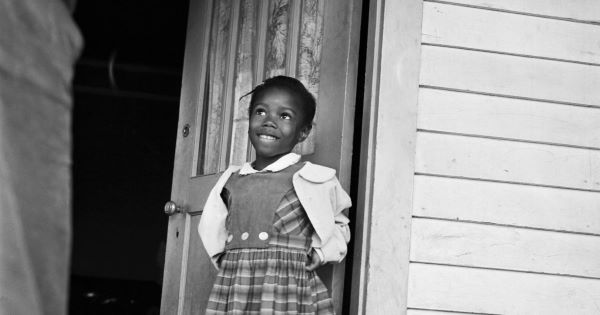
411,157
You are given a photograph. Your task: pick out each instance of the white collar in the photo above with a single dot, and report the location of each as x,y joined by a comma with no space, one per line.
283,162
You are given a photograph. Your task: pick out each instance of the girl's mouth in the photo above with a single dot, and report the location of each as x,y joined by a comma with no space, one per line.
267,137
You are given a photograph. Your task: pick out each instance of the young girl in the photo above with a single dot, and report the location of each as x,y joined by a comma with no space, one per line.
267,225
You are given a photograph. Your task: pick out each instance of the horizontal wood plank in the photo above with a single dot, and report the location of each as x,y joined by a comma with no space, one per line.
500,292
508,204
510,33
508,118
507,161
583,10
434,312
510,75
501,247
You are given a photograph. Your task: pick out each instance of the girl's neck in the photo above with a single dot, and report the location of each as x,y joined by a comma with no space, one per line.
261,162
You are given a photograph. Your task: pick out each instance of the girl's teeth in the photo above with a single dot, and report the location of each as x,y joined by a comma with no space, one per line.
267,137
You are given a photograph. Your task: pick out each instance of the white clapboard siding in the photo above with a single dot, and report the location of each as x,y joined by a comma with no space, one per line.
508,204
510,33
507,161
501,247
584,10
500,292
432,312
502,117
510,75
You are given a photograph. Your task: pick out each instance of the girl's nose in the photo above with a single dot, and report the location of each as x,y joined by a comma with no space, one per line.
269,122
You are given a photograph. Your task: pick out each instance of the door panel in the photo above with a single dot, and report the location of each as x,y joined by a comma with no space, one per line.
232,46
186,158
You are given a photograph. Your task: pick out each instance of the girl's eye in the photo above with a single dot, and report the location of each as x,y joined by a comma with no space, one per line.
286,116
260,112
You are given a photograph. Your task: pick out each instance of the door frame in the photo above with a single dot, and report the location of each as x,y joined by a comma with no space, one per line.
346,37
387,153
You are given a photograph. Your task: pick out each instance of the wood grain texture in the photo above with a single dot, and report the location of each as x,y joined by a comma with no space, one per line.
508,161
511,33
500,247
500,292
490,116
510,75
583,10
509,204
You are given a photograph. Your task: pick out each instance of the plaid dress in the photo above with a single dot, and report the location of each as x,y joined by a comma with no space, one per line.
270,278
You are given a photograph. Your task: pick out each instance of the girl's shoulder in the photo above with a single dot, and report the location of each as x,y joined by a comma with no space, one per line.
226,174
233,168
230,170
316,173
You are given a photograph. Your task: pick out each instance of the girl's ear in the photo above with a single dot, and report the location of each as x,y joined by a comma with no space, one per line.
304,133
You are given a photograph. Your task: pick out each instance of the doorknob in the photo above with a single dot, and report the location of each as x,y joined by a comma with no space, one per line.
171,208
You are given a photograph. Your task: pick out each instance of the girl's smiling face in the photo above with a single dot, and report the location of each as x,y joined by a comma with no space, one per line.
277,124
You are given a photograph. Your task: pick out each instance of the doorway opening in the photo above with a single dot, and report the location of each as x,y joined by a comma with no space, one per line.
126,104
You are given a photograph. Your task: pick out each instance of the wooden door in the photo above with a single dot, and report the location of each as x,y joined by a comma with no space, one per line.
231,46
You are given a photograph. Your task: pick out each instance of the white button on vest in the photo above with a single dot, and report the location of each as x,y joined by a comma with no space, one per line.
263,235
245,236
229,238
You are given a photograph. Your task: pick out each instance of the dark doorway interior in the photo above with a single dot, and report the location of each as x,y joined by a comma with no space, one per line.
126,95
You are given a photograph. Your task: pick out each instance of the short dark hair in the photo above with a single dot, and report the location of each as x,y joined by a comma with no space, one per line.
294,87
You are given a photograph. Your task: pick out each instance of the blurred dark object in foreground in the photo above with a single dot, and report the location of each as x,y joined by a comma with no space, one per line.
102,296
